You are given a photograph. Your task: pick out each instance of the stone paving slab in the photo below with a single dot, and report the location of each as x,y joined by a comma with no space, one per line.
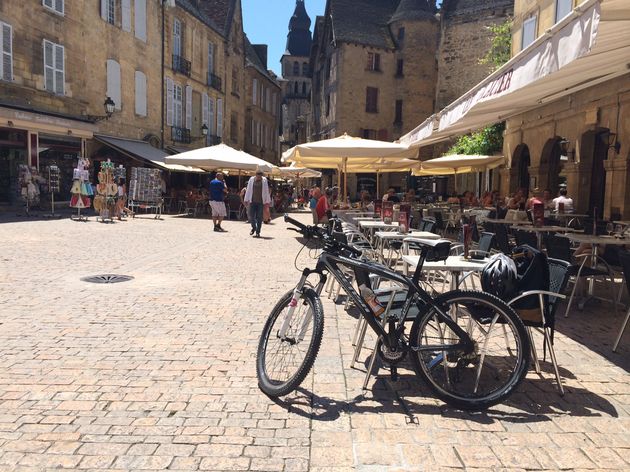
159,372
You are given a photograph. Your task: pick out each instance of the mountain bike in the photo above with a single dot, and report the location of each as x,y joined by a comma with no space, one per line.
469,347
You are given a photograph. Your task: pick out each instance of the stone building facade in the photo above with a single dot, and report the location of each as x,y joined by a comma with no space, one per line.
174,69
296,78
581,140
262,95
374,73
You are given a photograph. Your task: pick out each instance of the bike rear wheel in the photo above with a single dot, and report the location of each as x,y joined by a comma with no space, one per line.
484,377
283,363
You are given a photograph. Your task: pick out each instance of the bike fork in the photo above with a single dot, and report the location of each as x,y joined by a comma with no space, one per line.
297,294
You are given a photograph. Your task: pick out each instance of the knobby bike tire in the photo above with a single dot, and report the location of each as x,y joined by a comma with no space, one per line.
459,400
278,389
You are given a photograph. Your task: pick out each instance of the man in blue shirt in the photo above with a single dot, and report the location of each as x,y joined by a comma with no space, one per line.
217,202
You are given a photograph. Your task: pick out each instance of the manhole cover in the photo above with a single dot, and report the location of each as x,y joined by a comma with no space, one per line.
107,279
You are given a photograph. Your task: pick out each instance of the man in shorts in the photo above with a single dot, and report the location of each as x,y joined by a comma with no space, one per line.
217,201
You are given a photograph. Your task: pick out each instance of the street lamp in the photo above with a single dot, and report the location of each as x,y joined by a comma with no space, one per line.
613,143
109,106
204,130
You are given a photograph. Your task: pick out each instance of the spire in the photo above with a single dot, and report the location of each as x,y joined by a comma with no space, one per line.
299,38
414,10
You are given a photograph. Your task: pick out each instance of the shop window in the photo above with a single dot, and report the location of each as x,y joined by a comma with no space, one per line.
6,45
529,31
371,100
563,8
373,62
54,68
55,5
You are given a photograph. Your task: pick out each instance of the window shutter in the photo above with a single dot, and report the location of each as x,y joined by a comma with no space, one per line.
169,101
141,94
177,37
104,9
211,127
6,64
204,108
113,82
255,91
59,69
188,107
220,117
126,15
382,135
140,19
211,58
49,71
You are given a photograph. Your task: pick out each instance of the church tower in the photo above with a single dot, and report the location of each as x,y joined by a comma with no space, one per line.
296,74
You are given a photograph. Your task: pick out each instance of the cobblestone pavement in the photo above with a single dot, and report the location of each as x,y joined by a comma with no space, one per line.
158,373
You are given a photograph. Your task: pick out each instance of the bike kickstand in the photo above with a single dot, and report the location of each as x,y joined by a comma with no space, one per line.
393,371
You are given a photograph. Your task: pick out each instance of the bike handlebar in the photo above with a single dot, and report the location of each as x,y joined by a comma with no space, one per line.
319,233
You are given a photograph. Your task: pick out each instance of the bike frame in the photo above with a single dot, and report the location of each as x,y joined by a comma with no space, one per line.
392,340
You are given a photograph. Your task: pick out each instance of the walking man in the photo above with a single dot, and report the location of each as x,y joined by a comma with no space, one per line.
256,196
217,201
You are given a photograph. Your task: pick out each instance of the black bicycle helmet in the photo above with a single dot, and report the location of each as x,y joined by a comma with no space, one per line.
499,277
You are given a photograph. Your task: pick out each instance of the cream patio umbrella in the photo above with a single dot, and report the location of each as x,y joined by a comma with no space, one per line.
220,157
456,164
343,151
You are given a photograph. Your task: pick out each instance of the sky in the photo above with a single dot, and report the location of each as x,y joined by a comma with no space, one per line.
267,22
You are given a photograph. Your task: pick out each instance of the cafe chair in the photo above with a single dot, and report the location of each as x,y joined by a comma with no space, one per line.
582,266
624,259
526,237
548,301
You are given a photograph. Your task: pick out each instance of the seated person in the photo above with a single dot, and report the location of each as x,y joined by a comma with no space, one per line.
410,196
564,200
391,196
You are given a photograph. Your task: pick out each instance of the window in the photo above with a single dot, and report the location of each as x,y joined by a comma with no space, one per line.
400,68
563,8
263,97
234,127
401,35
267,99
235,85
274,104
371,100
189,109
204,109
220,117
177,37
303,88
251,131
529,31
211,58
178,106
108,11
369,134
141,93
305,69
328,67
398,113
113,82
373,62
54,70
296,68
170,106
295,88
54,5
255,92
140,19
6,49
211,122
327,105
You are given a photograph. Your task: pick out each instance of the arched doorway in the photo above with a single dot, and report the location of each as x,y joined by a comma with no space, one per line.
551,165
519,175
594,148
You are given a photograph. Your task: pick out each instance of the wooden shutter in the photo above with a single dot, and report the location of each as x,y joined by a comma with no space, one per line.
104,10
211,122
220,117
6,45
382,135
113,83
204,109
189,110
126,15
49,67
169,101
60,73
141,93
140,19
255,92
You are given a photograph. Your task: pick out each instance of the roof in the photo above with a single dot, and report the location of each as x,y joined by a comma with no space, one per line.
413,10
252,59
299,39
363,21
221,12
192,7
469,10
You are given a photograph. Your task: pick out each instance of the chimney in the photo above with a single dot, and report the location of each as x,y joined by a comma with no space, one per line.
261,50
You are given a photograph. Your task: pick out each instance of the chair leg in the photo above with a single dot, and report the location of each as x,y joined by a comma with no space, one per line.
371,366
566,313
623,328
359,344
533,348
357,330
552,353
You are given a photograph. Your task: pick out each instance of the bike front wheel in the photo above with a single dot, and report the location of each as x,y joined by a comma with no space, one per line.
484,375
283,362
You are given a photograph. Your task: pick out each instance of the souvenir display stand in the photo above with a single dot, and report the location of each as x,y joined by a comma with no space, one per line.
145,190
81,189
29,180
54,185
106,193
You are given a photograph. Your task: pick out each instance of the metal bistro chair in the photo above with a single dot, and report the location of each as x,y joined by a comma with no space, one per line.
525,237
502,239
624,258
548,299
